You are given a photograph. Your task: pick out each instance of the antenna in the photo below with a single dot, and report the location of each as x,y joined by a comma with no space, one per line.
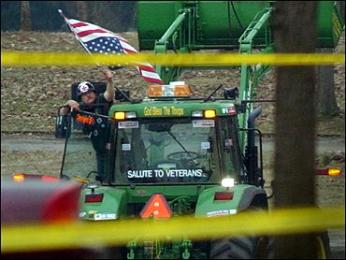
209,97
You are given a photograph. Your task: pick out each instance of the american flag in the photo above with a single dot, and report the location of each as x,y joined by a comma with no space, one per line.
96,39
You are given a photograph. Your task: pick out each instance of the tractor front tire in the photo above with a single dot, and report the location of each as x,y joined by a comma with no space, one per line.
323,246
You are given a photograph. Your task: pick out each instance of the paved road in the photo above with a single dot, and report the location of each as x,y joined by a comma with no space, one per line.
27,143
337,243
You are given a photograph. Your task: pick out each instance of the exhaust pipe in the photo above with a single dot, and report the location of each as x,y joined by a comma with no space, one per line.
251,125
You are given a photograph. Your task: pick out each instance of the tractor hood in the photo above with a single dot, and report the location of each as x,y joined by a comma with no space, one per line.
110,203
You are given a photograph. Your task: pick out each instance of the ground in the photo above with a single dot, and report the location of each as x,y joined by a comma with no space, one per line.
30,98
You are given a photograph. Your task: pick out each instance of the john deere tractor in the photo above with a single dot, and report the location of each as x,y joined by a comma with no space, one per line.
171,153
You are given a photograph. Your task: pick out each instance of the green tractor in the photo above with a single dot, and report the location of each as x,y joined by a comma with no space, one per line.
182,150
171,154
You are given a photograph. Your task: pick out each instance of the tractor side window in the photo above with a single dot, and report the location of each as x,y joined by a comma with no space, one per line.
231,154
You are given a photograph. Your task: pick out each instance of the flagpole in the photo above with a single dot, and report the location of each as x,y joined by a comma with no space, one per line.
74,33
72,30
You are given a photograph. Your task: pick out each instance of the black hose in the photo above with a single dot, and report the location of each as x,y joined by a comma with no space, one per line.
236,16
229,19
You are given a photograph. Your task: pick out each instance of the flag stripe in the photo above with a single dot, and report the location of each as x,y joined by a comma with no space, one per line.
95,36
147,68
148,74
75,23
151,80
88,32
88,27
80,24
129,51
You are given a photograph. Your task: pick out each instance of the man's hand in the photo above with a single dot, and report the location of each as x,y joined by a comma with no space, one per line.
73,105
109,93
108,74
69,106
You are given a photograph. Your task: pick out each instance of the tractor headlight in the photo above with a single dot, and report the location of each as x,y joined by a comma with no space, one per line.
227,182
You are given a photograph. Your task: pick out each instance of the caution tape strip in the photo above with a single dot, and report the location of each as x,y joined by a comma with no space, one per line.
200,59
24,238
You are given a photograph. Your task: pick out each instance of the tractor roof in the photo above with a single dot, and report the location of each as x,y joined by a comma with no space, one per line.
174,107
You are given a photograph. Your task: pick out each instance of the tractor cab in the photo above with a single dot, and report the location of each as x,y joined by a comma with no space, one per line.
175,150
169,137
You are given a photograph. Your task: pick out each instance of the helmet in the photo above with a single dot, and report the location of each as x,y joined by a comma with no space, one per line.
85,87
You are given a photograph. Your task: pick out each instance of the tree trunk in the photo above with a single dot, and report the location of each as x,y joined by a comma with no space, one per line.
294,32
116,16
82,10
326,101
25,16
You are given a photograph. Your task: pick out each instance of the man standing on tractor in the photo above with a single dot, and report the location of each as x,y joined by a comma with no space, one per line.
89,97
93,102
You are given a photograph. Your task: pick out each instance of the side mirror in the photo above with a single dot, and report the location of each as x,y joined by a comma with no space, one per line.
61,125
231,93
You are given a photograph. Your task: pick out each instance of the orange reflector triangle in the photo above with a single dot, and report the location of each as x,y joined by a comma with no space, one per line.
156,207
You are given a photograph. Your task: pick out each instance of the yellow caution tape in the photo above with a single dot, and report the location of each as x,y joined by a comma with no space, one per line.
200,59
83,234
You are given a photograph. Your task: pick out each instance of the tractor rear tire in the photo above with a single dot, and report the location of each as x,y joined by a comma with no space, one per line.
234,248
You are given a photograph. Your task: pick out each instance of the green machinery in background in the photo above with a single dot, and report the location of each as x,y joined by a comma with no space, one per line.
244,26
185,26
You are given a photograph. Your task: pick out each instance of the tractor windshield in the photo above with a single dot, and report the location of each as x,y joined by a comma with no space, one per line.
167,151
